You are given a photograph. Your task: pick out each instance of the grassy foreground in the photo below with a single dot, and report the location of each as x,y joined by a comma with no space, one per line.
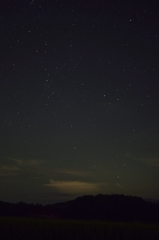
44,229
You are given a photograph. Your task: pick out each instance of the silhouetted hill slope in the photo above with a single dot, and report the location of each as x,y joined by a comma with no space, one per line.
110,207
20,209
102,207
151,200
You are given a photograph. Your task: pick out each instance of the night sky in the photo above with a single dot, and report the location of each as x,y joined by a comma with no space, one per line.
79,99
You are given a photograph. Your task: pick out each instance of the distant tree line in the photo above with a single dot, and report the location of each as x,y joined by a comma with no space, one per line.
100,207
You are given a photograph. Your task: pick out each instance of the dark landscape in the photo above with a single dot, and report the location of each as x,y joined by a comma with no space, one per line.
88,207
112,217
79,116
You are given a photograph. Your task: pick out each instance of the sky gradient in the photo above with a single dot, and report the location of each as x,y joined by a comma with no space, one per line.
79,99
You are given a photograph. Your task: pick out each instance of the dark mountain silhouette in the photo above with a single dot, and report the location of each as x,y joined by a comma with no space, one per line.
151,200
100,207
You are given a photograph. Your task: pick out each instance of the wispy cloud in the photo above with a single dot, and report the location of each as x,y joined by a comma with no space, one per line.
75,186
72,172
28,162
151,161
6,170
31,168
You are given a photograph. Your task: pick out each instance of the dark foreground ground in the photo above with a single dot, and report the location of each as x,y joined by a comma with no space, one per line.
48,229
114,208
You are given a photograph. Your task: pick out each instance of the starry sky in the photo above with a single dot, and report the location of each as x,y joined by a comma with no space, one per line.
79,99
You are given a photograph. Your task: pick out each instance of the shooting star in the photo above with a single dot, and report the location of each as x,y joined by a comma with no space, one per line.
61,67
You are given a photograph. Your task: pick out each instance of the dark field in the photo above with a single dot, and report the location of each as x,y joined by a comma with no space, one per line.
44,229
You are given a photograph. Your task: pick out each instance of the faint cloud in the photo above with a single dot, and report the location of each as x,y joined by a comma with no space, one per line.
6,170
75,186
31,168
29,162
151,161
18,161
9,168
72,172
